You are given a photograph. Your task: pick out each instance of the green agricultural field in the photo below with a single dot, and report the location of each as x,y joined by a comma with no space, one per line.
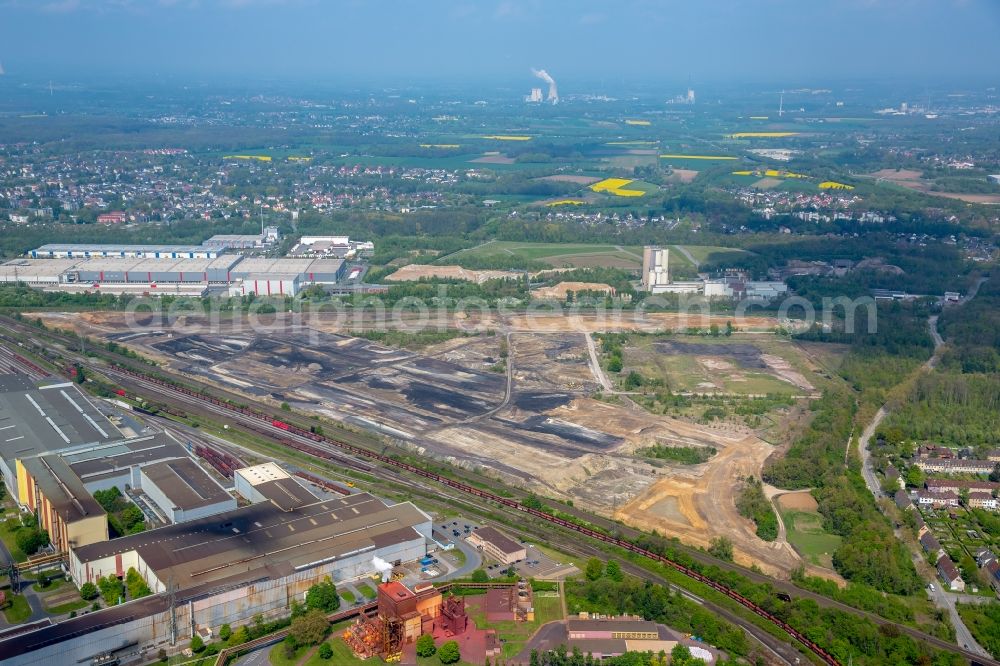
557,255
581,255
704,253
804,530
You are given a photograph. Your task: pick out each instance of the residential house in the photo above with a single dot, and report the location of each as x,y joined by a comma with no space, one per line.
955,465
930,544
984,556
934,451
902,500
982,500
919,524
993,569
893,477
937,500
956,485
949,574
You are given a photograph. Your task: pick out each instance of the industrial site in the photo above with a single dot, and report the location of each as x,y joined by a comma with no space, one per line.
550,422
429,334
228,265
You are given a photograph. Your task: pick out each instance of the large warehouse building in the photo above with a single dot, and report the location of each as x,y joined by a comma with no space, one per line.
267,482
85,251
37,420
183,491
223,565
186,276
224,569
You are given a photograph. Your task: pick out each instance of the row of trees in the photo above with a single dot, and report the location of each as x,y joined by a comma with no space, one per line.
680,655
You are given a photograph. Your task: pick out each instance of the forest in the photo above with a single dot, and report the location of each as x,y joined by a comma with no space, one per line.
958,405
869,553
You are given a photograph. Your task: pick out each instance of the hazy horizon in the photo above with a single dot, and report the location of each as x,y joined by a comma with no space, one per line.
496,43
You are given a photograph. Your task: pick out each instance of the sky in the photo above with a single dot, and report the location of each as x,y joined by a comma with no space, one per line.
393,42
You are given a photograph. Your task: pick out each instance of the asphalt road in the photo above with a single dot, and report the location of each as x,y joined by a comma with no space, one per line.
823,601
943,600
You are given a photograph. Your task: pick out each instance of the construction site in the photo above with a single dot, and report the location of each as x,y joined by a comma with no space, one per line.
531,407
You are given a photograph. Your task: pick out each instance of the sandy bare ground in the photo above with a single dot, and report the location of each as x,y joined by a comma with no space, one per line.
570,178
414,272
698,504
551,436
798,501
559,291
901,176
545,318
628,321
784,369
767,183
683,175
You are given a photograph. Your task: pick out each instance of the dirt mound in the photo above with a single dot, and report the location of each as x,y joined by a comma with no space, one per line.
559,291
800,501
698,506
414,272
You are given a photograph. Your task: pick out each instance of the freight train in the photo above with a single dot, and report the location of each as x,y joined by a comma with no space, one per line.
284,426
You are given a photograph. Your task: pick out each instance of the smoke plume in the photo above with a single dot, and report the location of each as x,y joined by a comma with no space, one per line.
383,568
553,91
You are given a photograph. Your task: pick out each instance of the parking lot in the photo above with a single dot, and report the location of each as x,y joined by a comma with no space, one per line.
535,565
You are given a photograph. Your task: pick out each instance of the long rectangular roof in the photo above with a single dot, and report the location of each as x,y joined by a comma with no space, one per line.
29,269
499,539
262,541
252,265
100,247
161,265
286,494
64,490
110,459
35,420
185,484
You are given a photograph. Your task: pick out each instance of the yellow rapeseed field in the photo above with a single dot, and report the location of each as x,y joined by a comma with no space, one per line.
260,158
642,123
566,202
834,185
770,173
698,157
616,186
292,158
631,143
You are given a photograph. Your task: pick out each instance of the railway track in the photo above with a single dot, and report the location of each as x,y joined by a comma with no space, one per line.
298,437
19,364
301,436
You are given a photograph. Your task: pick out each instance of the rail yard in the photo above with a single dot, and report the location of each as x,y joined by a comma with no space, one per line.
287,431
